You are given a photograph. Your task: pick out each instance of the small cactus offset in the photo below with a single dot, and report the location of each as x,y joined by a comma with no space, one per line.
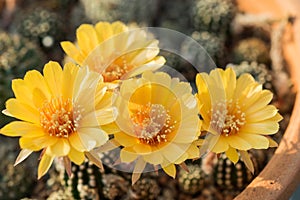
251,49
139,11
18,55
145,188
193,181
213,45
41,25
170,15
260,72
114,186
213,15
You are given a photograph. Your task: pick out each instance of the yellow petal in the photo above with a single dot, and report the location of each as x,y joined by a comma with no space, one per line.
127,155
38,98
60,148
243,82
172,152
37,143
98,118
258,101
229,82
106,116
193,151
256,141
170,170
22,92
53,77
246,159
92,137
263,114
138,170
232,155
237,142
125,140
87,38
266,127
154,158
34,80
221,145
22,111
111,128
20,128
69,75
76,142
108,146
272,143
72,51
44,165
104,31
103,97
252,94
76,156
141,148
215,86
118,27
22,156
95,158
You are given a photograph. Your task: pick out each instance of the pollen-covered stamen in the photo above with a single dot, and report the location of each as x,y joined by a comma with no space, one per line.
60,117
116,70
227,117
152,123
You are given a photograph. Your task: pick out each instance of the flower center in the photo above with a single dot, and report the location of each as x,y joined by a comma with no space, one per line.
152,123
60,117
227,118
116,70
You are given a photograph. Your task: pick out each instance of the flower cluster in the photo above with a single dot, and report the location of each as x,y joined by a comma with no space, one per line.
113,96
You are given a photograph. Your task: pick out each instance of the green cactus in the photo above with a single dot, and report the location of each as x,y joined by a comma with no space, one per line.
85,181
139,11
211,43
18,55
213,15
172,15
251,49
114,186
193,181
235,177
14,180
260,72
145,188
41,25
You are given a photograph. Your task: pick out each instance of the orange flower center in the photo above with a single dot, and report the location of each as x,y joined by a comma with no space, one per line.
116,70
227,118
152,123
60,117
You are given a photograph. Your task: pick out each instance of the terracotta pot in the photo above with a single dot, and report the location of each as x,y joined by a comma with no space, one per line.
281,176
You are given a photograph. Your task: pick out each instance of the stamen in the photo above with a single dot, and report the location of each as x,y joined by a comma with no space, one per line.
152,123
60,117
227,118
116,70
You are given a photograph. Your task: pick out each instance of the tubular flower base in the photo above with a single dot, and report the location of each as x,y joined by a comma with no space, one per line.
58,114
114,50
242,120
158,122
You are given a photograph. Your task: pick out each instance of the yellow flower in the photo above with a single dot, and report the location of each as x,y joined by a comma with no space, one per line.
158,121
236,113
122,51
58,114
